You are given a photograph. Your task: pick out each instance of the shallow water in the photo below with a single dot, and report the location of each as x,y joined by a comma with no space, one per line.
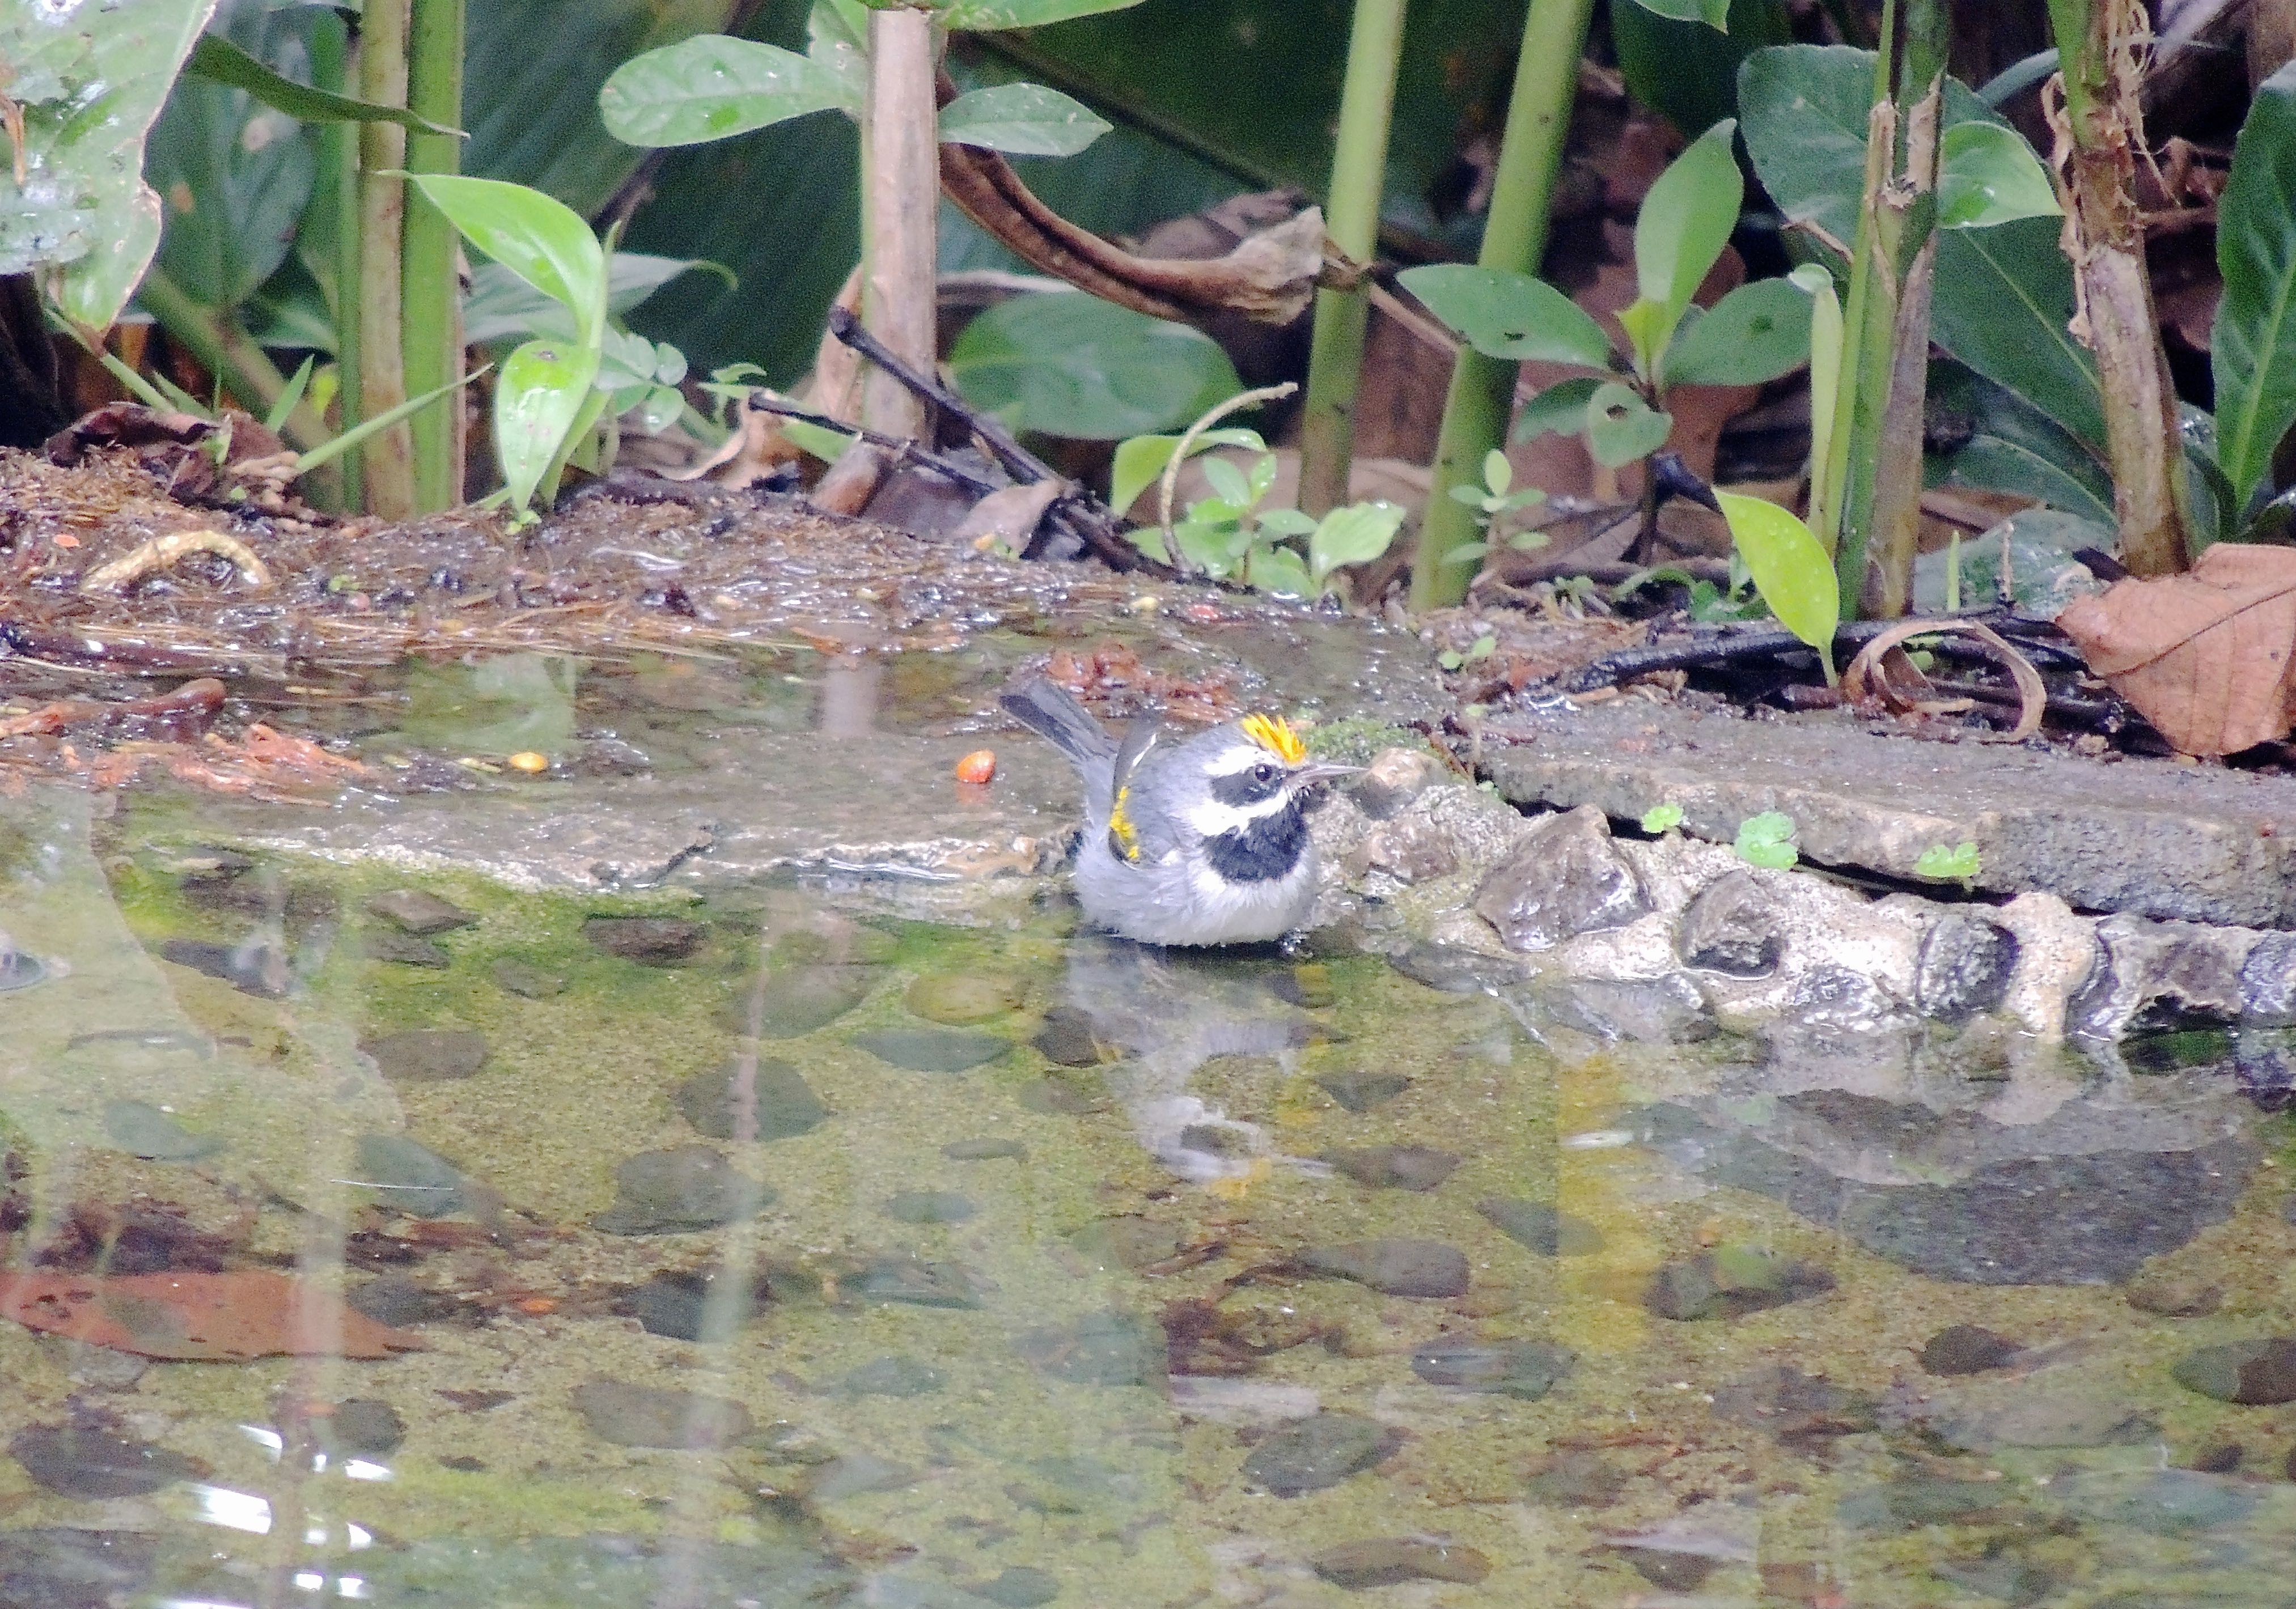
769,1246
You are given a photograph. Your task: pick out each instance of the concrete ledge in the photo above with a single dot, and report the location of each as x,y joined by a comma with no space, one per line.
2185,842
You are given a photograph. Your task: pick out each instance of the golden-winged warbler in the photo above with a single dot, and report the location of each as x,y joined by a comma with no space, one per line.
1201,841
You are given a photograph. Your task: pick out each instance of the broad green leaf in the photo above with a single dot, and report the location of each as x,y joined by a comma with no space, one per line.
1509,315
1202,543
1228,483
1685,224
543,242
1714,13
1790,567
501,306
1140,460
219,60
1754,334
1686,71
1944,861
1827,339
713,85
980,16
234,177
822,441
837,37
90,80
2255,343
2012,447
2043,575
1286,523
1069,364
1026,119
540,393
1278,570
1620,427
2003,296
1560,408
1355,535
1987,175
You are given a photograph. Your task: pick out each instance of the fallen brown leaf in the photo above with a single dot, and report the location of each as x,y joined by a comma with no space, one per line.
2206,656
211,1317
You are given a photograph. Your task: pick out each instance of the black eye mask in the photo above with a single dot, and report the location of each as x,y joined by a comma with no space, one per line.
1240,788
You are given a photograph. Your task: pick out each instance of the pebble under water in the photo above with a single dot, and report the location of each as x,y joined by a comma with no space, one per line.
776,1248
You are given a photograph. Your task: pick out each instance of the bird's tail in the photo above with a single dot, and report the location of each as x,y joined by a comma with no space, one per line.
1052,712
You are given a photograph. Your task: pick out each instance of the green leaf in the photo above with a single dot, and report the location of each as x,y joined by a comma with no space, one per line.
1560,408
1684,224
1355,535
1767,840
542,390
1661,818
1687,71
1827,337
236,178
1509,315
1026,119
1753,335
2012,447
980,16
837,37
2254,347
1285,523
276,418
542,240
1714,13
1942,863
1069,364
90,80
1621,427
823,442
501,306
1498,474
1140,460
1987,175
1790,567
713,85
1203,544
1226,481
219,60
1278,570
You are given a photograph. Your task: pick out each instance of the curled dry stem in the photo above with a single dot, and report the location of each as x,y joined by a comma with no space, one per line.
1866,678
122,574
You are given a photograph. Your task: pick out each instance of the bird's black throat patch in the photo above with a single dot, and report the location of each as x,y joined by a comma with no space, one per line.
1261,850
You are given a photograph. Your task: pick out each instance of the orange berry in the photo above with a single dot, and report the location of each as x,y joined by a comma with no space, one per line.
538,1305
976,767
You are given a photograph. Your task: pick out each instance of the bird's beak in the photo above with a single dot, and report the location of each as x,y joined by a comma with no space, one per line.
1308,776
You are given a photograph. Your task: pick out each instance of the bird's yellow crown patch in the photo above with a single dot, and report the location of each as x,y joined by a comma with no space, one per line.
1274,734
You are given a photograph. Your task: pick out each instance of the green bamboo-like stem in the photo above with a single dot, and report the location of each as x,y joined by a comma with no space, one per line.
339,155
1351,219
1481,398
1869,320
430,302
382,203
2099,45
229,352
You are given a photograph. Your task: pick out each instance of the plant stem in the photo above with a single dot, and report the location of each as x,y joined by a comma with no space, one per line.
2100,43
228,352
430,302
1481,398
382,207
339,156
1868,322
900,196
1351,219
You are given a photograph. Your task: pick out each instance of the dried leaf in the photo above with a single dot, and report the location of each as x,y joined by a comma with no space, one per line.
1010,514
212,1318
2206,656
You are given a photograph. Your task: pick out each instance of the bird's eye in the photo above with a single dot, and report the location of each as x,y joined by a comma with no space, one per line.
1263,773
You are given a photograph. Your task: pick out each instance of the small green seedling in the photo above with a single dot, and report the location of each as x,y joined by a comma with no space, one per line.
1482,648
1948,864
1661,818
1767,840
1493,501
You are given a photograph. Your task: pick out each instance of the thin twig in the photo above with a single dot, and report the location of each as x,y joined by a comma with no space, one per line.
909,450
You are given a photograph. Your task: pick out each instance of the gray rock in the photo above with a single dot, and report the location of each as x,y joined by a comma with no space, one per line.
66,1567
365,1424
2065,1416
255,968
2267,982
1576,1479
528,981
1067,1037
651,941
647,1416
1396,1167
1795,1408
1664,1010
1394,779
1099,1349
1731,927
689,1305
1455,970
930,1206
1395,1268
1359,1089
426,1056
932,1049
917,1283
1964,968
1022,1586
92,1461
1124,1243
143,1130
2253,1372
2174,1295
1318,1452
1541,1228
420,912
892,1376
798,999
1528,1369
678,1191
1390,1561
1731,1282
395,1299
1967,1349
406,1177
780,1103
1566,879
406,950
2159,975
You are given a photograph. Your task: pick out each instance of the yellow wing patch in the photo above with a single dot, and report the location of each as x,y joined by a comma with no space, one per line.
1123,836
1274,734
